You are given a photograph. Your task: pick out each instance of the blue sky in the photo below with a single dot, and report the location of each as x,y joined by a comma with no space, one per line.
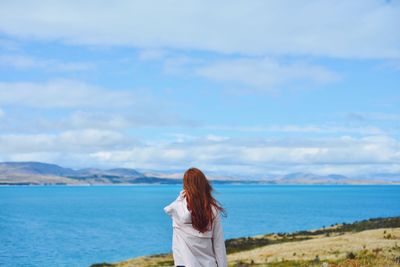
267,87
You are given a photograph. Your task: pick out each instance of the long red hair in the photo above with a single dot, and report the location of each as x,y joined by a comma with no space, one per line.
199,199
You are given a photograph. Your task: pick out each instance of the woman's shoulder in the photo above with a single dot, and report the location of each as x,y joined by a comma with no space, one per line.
216,212
181,195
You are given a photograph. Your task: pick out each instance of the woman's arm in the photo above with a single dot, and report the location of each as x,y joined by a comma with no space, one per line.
219,243
171,208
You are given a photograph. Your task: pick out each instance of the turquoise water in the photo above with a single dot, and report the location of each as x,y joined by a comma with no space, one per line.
78,226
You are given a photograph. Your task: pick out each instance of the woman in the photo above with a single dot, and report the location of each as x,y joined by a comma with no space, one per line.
198,239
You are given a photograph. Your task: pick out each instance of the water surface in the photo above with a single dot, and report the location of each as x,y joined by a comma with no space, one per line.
81,225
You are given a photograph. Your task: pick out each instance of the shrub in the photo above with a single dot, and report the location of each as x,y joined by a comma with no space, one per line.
316,259
351,256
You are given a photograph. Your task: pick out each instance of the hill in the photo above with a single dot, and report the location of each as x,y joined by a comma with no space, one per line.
39,173
35,173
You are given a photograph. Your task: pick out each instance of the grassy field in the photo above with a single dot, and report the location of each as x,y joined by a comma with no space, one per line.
374,242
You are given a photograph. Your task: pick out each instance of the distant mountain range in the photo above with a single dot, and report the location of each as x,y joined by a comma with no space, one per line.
38,173
44,173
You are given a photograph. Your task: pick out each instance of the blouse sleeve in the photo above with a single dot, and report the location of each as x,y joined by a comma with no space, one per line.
219,243
171,208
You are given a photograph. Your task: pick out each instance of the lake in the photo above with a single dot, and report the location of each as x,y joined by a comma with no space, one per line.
81,225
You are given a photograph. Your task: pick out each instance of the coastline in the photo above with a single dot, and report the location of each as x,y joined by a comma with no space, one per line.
42,173
370,242
228,183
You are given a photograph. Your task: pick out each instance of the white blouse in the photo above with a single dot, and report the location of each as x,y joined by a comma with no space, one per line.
190,247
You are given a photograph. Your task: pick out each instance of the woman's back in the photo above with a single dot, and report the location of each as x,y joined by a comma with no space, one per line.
190,247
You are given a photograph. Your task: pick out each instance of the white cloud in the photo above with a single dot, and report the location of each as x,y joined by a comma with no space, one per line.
20,61
151,54
74,141
259,73
216,138
346,155
345,29
115,120
180,64
8,45
342,150
262,155
315,129
63,94
265,73
378,116
101,120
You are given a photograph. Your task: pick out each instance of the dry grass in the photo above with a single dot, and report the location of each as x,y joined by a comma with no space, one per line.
378,247
145,261
333,248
